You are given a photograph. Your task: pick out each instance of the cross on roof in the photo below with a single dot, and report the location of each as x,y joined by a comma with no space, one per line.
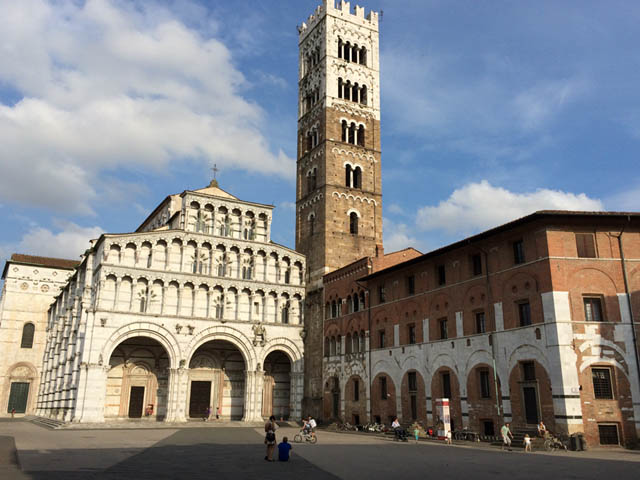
215,170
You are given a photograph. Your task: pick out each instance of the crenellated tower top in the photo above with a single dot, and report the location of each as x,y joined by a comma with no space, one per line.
342,10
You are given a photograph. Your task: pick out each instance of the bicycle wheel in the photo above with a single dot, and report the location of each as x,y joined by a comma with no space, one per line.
313,440
297,438
458,436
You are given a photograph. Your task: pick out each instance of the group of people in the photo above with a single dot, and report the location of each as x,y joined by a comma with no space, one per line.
284,448
207,413
507,436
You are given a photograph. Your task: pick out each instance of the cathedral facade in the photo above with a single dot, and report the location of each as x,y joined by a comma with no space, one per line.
195,310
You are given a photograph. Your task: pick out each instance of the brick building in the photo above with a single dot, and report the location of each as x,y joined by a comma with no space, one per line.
529,321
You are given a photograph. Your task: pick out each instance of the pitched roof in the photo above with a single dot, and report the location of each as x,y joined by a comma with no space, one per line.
540,214
45,261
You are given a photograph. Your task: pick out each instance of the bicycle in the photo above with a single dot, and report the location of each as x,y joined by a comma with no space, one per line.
466,434
306,436
552,444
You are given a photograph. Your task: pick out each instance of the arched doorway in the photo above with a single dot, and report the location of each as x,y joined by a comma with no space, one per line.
137,381
217,380
22,388
276,392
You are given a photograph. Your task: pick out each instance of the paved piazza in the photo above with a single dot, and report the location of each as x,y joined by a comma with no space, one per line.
236,452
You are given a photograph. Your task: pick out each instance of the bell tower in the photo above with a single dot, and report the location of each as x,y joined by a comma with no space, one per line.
339,187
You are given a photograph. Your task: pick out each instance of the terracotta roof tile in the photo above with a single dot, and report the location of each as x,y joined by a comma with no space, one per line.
45,261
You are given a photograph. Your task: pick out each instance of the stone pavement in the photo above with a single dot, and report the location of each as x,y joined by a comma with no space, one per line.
232,452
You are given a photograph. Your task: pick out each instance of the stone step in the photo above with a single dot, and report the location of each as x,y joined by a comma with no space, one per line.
50,423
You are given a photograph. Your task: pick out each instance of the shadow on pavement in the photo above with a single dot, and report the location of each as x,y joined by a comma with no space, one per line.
221,454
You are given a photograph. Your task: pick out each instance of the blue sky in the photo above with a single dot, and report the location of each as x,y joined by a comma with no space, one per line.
490,111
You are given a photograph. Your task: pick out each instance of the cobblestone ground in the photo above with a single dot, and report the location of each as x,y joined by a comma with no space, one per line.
238,453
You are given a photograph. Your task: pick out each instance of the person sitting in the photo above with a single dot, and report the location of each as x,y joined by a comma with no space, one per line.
306,428
542,430
397,429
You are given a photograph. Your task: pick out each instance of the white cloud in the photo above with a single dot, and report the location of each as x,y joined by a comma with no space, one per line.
536,105
479,206
106,85
69,241
397,236
626,200
487,115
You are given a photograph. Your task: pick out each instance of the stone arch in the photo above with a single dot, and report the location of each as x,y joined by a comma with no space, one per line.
540,385
143,329
231,335
385,408
288,347
355,407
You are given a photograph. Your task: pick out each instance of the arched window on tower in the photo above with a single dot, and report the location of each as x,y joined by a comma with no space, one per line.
363,95
347,51
334,309
314,178
345,129
339,87
312,224
354,92
356,303
352,134
363,56
347,180
347,90
362,300
361,135
339,47
357,178
27,335
353,223
354,53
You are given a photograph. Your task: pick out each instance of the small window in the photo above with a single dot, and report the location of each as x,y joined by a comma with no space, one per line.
485,390
442,279
411,284
586,245
476,262
528,371
353,223
480,323
518,252
383,388
446,385
412,334
602,383
27,335
413,381
593,309
524,313
381,294
443,329
381,338
356,390
608,434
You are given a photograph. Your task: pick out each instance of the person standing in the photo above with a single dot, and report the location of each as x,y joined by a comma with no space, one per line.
270,438
505,431
207,413
218,413
527,443
312,425
416,433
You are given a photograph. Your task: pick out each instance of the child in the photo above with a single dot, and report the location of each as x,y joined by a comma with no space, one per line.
416,433
527,443
448,438
283,450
